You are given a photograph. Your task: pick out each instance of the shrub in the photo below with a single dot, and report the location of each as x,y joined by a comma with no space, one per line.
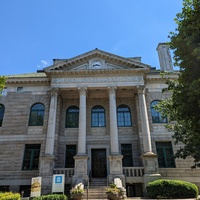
171,189
51,197
9,196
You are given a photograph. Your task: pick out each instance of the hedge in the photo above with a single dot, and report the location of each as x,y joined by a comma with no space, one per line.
171,189
9,196
51,197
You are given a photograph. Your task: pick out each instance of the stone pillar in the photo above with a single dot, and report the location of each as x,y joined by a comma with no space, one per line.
47,161
80,171
115,159
150,161
114,143
164,57
82,122
144,120
51,123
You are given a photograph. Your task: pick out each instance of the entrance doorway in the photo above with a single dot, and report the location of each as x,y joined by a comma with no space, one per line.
99,169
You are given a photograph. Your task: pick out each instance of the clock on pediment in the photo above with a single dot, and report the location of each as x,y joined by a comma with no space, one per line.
97,64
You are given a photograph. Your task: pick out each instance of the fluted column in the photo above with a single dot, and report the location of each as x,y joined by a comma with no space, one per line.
82,122
144,120
114,143
51,122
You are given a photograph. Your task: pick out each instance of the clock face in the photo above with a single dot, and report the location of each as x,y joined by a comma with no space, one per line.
96,64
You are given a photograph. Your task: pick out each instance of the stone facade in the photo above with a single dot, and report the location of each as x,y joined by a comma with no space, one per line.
91,79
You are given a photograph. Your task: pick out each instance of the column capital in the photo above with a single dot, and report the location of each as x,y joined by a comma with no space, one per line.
112,89
54,91
82,90
141,89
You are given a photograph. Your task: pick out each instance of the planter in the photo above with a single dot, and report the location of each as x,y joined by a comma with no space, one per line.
77,196
112,196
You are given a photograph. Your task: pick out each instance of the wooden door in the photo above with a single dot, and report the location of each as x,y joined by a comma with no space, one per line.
99,163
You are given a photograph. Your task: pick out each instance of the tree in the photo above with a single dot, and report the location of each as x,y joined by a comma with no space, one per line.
184,104
2,83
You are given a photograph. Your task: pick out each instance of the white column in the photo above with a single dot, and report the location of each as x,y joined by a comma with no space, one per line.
144,120
114,143
51,123
82,122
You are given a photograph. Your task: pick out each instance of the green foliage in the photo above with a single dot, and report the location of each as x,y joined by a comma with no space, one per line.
113,189
51,197
2,82
9,196
171,189
184,104
77,190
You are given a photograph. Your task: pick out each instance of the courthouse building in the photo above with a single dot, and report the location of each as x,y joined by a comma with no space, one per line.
90,117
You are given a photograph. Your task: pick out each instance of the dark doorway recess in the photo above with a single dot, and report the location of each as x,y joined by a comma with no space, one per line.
99,163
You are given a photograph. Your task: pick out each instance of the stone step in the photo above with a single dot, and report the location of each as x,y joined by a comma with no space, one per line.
98,182
95,193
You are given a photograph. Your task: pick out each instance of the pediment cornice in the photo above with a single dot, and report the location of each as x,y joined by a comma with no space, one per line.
63,65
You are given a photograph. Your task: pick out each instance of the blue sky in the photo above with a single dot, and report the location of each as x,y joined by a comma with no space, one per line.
33,32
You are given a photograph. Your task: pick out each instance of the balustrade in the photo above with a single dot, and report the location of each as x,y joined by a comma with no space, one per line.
133,171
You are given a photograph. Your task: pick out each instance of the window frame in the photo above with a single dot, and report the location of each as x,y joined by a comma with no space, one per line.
166,160
36,122
98,118
124,118
157,115
31,156
69,155
2,111
72,114
127,157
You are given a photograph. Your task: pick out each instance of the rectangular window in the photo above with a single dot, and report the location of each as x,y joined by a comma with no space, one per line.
165,155
19,89
4,91
25,190
31,157
126,150
70,153
4,188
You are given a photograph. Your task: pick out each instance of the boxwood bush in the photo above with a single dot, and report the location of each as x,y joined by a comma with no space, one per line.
9,196
51,197
171,189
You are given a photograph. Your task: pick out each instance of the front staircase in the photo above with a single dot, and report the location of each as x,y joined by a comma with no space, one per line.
96,189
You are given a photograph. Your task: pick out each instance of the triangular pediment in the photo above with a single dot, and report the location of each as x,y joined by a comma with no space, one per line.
95,60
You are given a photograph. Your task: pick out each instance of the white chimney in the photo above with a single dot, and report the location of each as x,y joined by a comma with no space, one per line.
164,57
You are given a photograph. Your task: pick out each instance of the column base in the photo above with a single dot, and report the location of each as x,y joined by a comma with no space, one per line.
46,172
150,163
116,169
80,170
46,165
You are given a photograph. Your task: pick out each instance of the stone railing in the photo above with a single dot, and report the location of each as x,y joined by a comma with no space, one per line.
133,171
69,172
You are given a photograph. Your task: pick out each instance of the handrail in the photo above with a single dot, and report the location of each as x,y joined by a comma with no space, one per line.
88,182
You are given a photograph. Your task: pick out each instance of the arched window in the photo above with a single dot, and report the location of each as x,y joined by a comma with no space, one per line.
72,117
2,109
123,116
98,116
156,116
37,115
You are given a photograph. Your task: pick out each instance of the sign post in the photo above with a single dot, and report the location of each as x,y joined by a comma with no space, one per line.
58,183
36,183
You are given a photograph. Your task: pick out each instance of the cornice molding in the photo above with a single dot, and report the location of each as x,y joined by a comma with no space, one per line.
158,77
28,80
100,71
